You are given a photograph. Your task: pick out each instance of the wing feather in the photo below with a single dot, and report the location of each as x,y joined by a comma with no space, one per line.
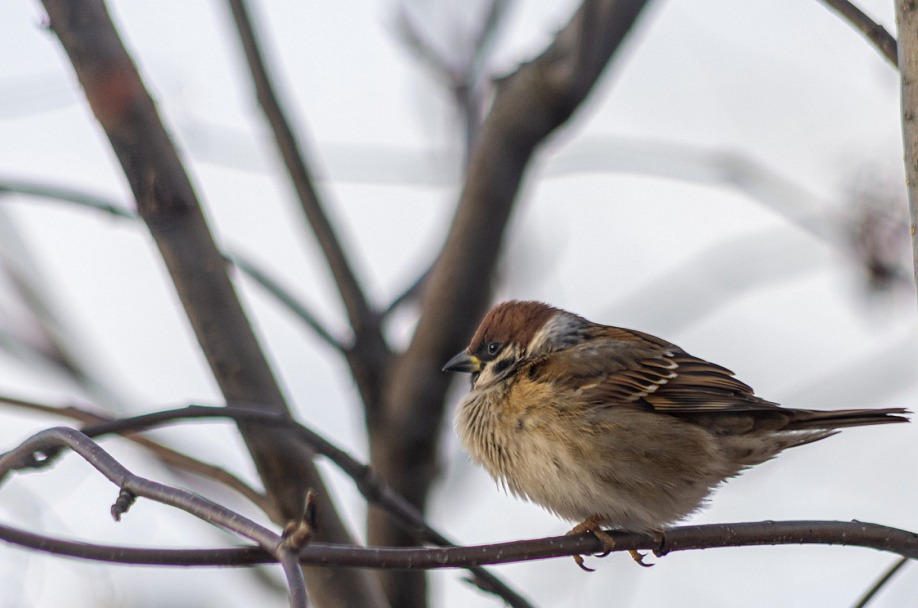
625,368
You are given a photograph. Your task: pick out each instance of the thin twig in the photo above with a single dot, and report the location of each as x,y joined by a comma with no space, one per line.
355,302
71,195
25,454
165,454
887,576
285,298
245,265
876,33
413,292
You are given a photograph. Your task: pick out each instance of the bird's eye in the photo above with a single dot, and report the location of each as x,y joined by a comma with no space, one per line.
493,348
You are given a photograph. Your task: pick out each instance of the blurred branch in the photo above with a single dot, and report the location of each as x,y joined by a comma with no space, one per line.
881,582
284,297
681,538
462,70
412,293
41,332
31,453
907,21
245,265
876,33
358,309
61,193
169,206
165,454
369,355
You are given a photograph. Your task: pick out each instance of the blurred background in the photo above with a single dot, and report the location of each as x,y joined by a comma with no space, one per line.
734,185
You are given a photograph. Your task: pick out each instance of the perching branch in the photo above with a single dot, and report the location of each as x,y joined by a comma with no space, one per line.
682,538
33,450
876,33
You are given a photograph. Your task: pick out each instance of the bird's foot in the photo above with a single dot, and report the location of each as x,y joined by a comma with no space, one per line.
592,525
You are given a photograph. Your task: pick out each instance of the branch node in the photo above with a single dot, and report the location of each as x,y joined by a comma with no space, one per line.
298,533
124,501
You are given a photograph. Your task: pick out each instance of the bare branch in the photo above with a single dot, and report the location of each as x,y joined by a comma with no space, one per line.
169,205
358,309
373,487
165,454
245,265
72,195
529,105
877,586
682,538
412,293
369,355
876,33
285,298
34,449
907,20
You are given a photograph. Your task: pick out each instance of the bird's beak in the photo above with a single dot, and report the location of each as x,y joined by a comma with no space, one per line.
463,362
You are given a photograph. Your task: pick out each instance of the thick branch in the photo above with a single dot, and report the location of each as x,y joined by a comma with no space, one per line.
907,21
168,204
529,105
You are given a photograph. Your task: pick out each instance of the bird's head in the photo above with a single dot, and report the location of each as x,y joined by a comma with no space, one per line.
513,332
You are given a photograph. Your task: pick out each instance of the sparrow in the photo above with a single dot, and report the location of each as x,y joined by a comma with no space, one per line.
615,427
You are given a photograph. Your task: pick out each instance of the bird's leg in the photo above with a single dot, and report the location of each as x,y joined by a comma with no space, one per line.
592,525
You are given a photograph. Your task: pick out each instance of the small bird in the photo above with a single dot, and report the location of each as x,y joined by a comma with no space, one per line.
614,427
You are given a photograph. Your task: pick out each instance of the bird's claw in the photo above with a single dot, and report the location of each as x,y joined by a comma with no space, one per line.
591,525
639,558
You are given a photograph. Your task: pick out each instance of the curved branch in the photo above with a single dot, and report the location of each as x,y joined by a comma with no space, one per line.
165,454
71,195
876,33
24,455
881,582
373,487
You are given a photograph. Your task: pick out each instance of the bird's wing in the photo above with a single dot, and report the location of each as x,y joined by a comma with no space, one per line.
620,367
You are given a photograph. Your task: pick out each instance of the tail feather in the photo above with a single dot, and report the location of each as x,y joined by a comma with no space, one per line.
837,419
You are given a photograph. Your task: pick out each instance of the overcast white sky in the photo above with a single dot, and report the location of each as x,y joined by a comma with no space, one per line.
641,214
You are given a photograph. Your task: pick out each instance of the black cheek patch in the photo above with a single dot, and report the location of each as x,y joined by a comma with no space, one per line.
501,366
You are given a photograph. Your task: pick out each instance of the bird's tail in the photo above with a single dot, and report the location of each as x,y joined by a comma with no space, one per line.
803,420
